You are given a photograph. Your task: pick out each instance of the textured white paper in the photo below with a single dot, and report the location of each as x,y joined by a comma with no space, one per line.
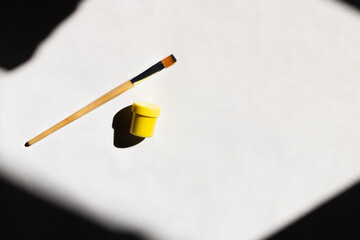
259,123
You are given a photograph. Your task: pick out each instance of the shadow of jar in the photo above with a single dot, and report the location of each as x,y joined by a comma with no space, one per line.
121,125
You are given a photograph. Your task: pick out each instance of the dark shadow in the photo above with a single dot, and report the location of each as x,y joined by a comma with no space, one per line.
26,216
339,218
352,3
121,125
24,24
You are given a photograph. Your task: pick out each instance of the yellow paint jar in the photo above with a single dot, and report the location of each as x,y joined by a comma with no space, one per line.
144,119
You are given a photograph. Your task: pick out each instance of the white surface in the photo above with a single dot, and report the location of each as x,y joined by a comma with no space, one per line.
260,115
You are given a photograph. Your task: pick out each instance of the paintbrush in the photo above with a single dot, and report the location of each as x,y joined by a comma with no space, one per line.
165,63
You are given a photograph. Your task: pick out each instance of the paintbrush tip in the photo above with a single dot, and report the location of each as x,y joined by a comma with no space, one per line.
27,144
170,60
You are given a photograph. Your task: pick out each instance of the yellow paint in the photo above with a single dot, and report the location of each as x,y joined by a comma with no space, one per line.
144,119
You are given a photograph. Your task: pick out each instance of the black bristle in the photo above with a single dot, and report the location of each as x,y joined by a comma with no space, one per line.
153,69
167,62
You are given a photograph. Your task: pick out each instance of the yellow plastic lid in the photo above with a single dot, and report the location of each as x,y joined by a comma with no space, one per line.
146,109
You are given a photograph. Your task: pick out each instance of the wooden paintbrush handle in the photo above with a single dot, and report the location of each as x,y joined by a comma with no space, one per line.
98,102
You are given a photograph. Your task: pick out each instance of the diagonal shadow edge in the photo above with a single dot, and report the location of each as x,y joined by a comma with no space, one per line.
337,218
352,3
25,24
26,216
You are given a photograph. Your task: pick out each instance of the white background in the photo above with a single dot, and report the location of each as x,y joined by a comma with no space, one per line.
259,123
